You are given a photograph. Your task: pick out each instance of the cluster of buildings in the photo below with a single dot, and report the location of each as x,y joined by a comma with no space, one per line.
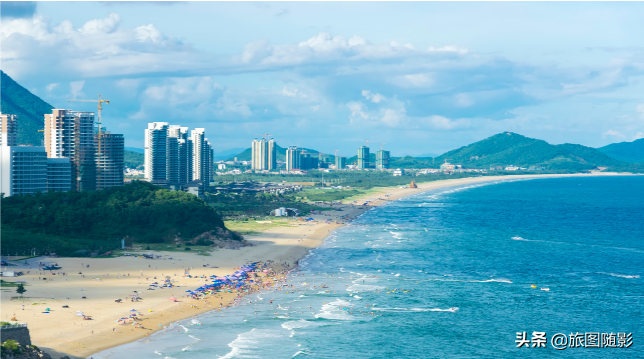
76,155
264,158
175,157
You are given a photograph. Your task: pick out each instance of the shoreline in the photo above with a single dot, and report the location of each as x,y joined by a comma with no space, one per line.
283,244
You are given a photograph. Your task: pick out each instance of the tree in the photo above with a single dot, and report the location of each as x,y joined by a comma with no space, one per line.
21,289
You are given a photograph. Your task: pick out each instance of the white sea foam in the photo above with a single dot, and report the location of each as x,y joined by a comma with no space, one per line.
297,324
363,288
620,275
453,309
335,311
517,238
244,344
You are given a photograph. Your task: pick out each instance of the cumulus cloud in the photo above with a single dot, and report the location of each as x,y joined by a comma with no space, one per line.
613,133
99,47
76,88
322,47
373,97
638,135
449,48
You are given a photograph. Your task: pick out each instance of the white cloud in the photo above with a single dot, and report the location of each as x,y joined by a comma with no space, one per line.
444,123
76,88
463,100
51,87
375,98
315,108
417,80
392,118
100,47
98,26
449,48
321,47
356,111
613,133
638,135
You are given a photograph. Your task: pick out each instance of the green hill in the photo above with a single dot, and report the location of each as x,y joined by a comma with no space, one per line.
133,159
64,222
626,151
248,153
508,148
17,100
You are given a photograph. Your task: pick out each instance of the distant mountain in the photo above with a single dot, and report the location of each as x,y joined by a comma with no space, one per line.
135,149
509,148
31,110
224,155
281,154
626,151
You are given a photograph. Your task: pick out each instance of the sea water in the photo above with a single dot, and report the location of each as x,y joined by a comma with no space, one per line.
448,274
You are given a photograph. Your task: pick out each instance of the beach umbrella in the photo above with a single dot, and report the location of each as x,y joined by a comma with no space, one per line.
133,310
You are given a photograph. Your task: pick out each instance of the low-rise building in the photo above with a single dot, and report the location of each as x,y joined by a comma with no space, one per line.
399,172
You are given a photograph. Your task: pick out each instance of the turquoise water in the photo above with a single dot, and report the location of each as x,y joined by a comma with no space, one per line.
467,258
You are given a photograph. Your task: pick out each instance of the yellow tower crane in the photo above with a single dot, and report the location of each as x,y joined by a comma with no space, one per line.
100,108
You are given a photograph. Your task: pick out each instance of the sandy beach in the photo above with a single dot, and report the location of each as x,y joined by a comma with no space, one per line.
62,332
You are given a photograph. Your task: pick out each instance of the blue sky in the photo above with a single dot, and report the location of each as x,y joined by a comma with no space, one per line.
422,77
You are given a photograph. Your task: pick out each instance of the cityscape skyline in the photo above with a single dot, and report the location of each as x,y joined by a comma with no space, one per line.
329,83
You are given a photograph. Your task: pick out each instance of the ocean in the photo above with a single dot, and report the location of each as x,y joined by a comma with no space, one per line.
458,272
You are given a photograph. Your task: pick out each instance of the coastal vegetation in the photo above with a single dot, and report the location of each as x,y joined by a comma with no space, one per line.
250,205
75,223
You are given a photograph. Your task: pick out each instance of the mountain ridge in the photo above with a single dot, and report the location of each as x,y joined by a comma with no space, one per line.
632,152
30,109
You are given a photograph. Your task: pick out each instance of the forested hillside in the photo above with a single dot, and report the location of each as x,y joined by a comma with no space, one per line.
17,100
626,151
508,148
133,159
140,212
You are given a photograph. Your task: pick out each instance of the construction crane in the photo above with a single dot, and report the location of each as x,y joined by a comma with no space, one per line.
100,108
382,144
367,143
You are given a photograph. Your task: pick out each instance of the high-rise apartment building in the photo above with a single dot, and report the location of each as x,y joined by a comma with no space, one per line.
202,151
173,157
382,160
272,155
340,163
71,134
292,158
363,157
259,156
156,152
9,129
184,157
24,170
109,159
264,155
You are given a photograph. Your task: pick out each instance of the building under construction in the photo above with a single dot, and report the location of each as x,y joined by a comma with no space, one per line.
71,134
